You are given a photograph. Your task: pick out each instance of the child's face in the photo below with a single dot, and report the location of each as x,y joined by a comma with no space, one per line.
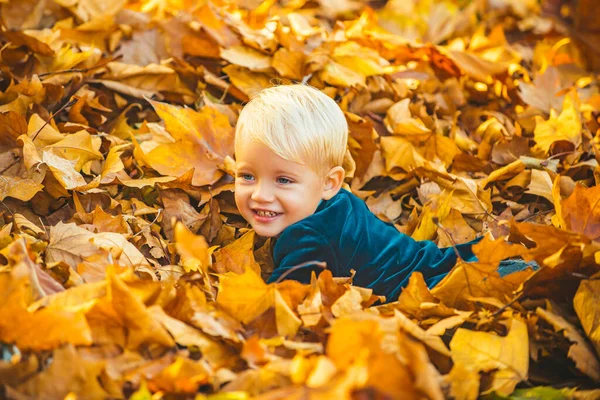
271,192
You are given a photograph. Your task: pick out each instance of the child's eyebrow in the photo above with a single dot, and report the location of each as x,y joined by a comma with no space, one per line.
282,172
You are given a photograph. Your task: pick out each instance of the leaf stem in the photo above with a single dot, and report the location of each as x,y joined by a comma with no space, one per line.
320,264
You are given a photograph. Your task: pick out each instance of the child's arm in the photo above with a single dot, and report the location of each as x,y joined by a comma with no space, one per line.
301,245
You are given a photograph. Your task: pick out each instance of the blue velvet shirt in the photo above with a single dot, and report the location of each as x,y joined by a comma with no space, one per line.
346,235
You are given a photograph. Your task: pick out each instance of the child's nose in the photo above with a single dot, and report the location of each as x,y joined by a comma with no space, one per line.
262,193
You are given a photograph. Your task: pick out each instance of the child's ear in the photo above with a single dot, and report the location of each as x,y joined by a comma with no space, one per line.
333,182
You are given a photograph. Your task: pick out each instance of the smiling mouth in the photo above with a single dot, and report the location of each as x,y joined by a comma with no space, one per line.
265,214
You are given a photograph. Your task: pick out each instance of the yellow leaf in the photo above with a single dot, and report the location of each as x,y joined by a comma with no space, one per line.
122,318
339,75
586,302
183,376
23,328
567,126
426,228
245,296
19,188
289,64
557,219
237,256
363,60
399,121
286,320
213,351
482,351
250,83
399,152
202,141
464,380
68,374
504,173
74,245
63,170
46,134
190,246
247,57
79,147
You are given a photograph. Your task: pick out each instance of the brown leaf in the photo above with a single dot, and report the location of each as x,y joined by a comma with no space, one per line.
581,213
580,351
585,303
12,125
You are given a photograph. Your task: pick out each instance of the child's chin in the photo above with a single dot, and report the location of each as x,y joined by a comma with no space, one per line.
261,231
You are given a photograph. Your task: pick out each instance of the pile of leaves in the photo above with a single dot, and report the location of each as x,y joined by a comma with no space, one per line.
127,272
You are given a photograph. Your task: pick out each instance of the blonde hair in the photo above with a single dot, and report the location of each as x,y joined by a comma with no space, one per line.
298,123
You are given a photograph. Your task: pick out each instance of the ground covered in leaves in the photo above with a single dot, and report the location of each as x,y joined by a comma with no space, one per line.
126,271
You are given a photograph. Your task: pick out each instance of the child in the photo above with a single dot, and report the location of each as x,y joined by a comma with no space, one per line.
290,142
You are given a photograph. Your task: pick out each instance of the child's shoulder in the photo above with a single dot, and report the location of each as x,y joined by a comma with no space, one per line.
342,205
330,218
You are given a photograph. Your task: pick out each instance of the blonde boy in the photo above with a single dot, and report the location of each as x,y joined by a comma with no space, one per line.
289,145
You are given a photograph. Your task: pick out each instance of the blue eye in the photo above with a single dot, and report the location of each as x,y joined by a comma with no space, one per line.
246,177
284,181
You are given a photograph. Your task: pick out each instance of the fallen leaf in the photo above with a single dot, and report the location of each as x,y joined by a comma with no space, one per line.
580,211
585,302
566,126
580,351
202,141
482,351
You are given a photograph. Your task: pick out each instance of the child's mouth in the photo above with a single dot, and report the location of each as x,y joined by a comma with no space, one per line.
265,216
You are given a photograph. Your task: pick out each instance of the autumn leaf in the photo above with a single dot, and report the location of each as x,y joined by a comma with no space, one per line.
68,373
580,351
126,269
584,302
566,126
202,141
22,327
237,256
192,248
580,211
482,351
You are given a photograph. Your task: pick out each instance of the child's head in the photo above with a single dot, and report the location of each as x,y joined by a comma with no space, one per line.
290,143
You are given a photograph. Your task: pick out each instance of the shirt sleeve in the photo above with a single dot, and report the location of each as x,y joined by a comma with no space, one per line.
299,245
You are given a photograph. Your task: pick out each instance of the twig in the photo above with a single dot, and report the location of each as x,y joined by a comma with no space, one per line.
319,264
82,70
12,164
68,104
510,303
149,225
583,276
436,221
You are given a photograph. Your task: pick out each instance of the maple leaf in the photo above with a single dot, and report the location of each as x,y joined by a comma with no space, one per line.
202,141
